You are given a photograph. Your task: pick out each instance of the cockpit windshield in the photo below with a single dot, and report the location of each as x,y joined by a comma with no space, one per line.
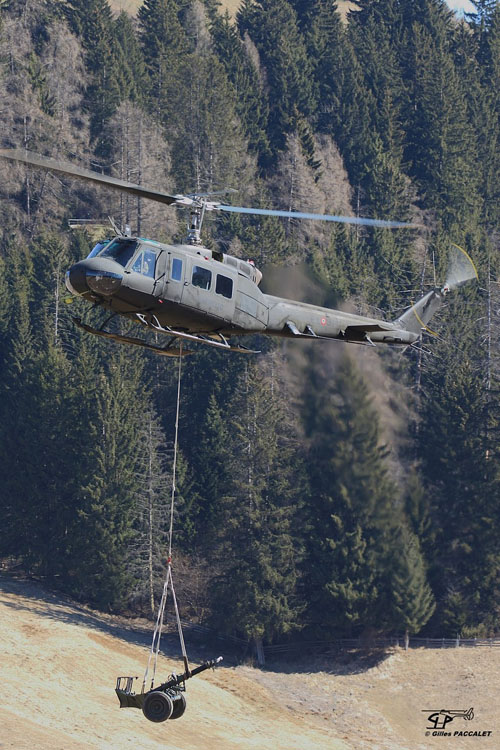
120,250
97,248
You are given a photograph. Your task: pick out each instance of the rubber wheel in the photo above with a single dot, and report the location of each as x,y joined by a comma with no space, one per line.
179,706
157,706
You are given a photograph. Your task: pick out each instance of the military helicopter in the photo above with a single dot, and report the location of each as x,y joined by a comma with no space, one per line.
189,292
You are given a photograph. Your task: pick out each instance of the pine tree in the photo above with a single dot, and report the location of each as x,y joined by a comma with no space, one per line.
130,61
417,508
324,34
93,22
18,355
4,304
412,600
255,593
371,31
440,144
211,478
350,121
272,26
251,101
147,552
209,149
352,505
41,476
486,27
387,194
103,530
164,46
461,481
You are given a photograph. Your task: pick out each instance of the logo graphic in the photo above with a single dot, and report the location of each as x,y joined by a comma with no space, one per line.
441,719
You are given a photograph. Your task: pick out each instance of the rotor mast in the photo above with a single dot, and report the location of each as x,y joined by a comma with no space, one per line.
197,205
196,216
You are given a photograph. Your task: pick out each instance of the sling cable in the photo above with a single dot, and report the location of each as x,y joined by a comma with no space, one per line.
167,700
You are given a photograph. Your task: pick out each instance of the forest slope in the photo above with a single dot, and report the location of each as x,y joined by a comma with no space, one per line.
131,6
60,661
319,494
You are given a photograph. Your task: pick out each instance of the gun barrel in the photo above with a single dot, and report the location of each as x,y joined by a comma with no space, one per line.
177,679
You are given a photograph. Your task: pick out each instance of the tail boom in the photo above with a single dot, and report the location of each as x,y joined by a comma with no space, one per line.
415,319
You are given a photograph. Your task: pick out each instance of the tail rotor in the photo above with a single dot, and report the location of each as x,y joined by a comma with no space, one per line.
461,269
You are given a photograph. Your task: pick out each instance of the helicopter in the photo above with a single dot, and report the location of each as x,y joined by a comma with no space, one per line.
192,293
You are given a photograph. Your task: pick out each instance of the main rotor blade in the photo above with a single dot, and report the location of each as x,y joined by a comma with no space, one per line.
61,167
323,217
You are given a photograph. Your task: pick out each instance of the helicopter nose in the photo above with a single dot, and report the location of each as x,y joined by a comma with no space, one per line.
103,282
81,278
75,279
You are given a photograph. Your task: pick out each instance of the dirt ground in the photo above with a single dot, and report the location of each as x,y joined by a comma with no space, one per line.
59,663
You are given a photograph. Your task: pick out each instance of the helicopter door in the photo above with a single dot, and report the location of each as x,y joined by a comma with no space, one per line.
145,273
208,290
175,279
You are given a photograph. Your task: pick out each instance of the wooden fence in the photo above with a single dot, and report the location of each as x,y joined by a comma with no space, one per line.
362,643
341,644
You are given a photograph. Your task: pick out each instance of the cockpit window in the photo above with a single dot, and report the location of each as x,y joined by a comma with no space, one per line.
119,250
145,263
97,248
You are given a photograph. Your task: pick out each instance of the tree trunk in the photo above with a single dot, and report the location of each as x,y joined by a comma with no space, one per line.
259,648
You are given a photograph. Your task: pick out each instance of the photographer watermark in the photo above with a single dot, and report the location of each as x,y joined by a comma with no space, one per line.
439,720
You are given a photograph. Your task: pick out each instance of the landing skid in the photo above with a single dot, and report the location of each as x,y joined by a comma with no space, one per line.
166,351
169,350
208,339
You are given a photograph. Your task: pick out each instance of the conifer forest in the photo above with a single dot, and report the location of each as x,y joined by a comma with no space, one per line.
324,490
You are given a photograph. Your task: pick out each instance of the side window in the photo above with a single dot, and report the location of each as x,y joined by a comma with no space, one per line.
149,263
145,263
201,277
137,264
176,271
224,286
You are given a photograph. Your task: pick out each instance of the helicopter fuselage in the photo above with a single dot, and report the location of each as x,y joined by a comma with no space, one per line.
190,289
192,293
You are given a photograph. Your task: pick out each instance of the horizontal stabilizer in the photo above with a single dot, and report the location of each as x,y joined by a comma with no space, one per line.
368,327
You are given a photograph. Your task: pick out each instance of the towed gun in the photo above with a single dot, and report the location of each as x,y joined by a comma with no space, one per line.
167,701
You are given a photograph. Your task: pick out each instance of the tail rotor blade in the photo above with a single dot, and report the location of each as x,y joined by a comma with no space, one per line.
461,268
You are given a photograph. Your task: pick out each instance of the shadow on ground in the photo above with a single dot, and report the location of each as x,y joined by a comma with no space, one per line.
138,632
334,662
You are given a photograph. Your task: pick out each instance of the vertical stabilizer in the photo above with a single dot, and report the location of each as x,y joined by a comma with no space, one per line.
416,318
